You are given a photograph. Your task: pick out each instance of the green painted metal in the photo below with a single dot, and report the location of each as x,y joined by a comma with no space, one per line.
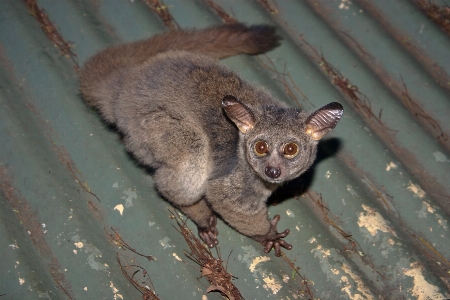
383,176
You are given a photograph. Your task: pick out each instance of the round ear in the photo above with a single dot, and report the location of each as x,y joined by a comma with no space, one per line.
239,113
323,120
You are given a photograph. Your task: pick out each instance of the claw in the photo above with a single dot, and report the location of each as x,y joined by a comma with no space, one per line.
277,242
209,234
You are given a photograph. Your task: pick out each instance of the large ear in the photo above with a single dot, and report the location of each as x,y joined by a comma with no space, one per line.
239,113
323,120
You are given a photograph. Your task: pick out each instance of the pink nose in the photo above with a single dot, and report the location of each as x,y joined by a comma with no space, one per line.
272,172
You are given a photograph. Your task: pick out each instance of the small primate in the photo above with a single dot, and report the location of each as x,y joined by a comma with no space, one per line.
217,144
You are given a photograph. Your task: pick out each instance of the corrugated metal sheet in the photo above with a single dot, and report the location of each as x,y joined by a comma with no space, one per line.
371,221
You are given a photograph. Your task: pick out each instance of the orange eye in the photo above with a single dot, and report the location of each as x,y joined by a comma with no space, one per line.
261,148
290,150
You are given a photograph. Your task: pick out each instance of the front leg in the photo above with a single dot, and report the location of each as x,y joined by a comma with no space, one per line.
253,221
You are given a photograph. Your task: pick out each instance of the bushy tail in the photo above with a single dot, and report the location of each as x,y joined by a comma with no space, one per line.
217,42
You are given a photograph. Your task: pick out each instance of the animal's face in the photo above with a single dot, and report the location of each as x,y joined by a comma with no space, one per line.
281,143
277,147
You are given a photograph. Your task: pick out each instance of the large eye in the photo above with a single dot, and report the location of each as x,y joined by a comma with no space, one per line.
290,150
261,148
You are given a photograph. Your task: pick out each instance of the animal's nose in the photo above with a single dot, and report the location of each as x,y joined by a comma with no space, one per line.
272,172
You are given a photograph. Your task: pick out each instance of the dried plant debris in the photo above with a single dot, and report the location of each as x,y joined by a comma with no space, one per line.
227,18
83,185
359,100
117,239
211,268
419,112
306,291
140,279
162,11
51,32
353,245
439,14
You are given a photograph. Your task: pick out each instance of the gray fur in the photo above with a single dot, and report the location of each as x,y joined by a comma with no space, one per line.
196,124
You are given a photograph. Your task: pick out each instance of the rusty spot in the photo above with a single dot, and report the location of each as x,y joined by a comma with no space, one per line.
439,14
30,222
307,291
163,13
227,18
51,32
211,268
270,6
117,239
144,285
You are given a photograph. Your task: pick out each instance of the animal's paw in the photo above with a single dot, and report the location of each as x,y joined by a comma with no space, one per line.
276,241
209,234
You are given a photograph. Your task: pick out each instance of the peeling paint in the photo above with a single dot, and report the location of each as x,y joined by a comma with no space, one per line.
361,287
256,261
120,208
165,243
422,289
290,213
253,259
176,257
390,166
93,253
440,157
272,284
129,196
21,281
418,192
79,244
373,221
327,174
115,291
115,185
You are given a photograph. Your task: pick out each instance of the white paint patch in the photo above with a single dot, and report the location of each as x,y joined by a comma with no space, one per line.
21,281
327,174
85,288
75,251
115,185
440,157
390,166
129,196
373,221
79,244
426,207
361,287
14,246
418,192
119,208
256,261
115,291
273,284
150,224
345,4
290,213
165,243
176,257
312,240
422,289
